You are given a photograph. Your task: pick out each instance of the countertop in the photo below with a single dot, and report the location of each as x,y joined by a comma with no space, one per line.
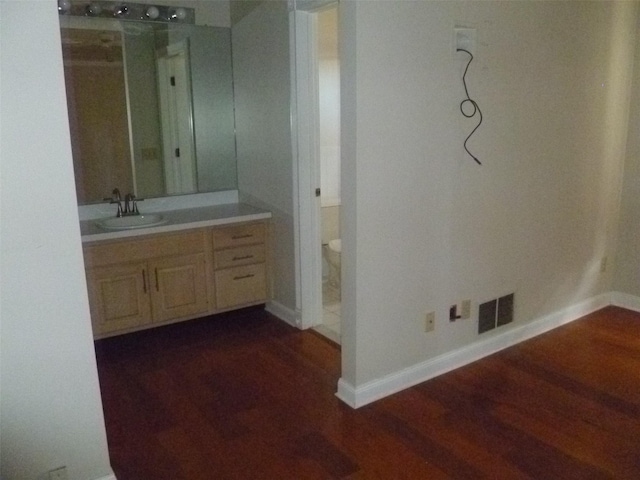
177,220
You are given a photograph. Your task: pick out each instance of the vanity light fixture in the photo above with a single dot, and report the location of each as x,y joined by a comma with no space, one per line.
123,10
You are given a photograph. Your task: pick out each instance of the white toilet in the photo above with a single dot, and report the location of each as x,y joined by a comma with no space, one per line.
333,251
331,244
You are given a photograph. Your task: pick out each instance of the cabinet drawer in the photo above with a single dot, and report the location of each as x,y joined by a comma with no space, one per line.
135,250
238,236
240,285
235,257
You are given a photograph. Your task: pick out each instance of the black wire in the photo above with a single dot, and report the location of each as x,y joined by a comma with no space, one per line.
476,108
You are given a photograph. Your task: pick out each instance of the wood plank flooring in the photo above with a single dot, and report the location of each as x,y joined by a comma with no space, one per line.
244,396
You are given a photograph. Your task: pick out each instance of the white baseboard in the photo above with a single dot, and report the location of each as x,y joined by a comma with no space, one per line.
286,314
111,476
625,300
374,390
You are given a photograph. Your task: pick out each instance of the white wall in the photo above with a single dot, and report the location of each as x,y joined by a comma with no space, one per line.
51,409
262,89
424,226
627,273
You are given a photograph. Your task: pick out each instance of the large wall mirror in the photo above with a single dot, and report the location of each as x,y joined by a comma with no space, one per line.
151,107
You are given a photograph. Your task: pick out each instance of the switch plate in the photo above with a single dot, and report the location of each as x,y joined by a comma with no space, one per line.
464,38
430,322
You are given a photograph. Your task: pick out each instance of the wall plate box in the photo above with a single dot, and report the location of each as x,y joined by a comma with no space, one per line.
464,38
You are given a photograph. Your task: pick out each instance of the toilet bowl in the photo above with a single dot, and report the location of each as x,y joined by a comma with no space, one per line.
333,251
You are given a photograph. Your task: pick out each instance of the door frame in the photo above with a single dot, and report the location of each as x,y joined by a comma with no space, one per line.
306,175
176,115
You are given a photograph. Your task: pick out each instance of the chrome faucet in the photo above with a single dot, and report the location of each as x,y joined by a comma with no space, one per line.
131,205
115,198
126,208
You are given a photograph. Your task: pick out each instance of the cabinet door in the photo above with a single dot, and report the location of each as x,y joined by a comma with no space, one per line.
179,286
118,297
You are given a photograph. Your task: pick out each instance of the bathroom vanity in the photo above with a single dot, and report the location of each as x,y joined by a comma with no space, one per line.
198,262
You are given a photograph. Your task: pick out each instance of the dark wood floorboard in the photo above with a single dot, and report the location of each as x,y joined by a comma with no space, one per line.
243,396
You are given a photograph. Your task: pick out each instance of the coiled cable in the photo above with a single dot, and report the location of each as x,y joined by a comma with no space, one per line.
476,108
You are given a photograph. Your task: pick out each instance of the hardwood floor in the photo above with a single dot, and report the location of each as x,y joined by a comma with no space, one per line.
244,396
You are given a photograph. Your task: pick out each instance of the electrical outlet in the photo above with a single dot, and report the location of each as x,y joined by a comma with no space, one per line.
430,322
465,309
58,474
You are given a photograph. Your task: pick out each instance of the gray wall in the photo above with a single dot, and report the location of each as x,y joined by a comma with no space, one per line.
262,91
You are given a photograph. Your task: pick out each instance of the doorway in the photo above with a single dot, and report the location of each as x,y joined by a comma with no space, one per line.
329,161
318,175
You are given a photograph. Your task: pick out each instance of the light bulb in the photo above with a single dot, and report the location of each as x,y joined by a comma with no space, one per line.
152,12
121,11
64,6
179,14
94,9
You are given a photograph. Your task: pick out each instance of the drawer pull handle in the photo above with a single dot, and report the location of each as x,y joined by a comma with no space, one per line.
157,282
242,277
238,237
144,280
243,257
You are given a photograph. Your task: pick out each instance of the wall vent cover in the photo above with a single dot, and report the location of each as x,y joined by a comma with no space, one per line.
505,309
487,316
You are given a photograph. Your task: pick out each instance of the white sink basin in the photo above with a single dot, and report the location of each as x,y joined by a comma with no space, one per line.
133,221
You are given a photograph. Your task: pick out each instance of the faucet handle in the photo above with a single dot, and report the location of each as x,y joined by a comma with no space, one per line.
127,202
115,198
134,208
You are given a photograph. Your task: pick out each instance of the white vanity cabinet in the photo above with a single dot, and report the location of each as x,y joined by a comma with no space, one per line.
145,281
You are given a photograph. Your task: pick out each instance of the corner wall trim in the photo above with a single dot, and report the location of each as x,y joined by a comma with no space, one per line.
376,389
347,393
284,313
625,300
